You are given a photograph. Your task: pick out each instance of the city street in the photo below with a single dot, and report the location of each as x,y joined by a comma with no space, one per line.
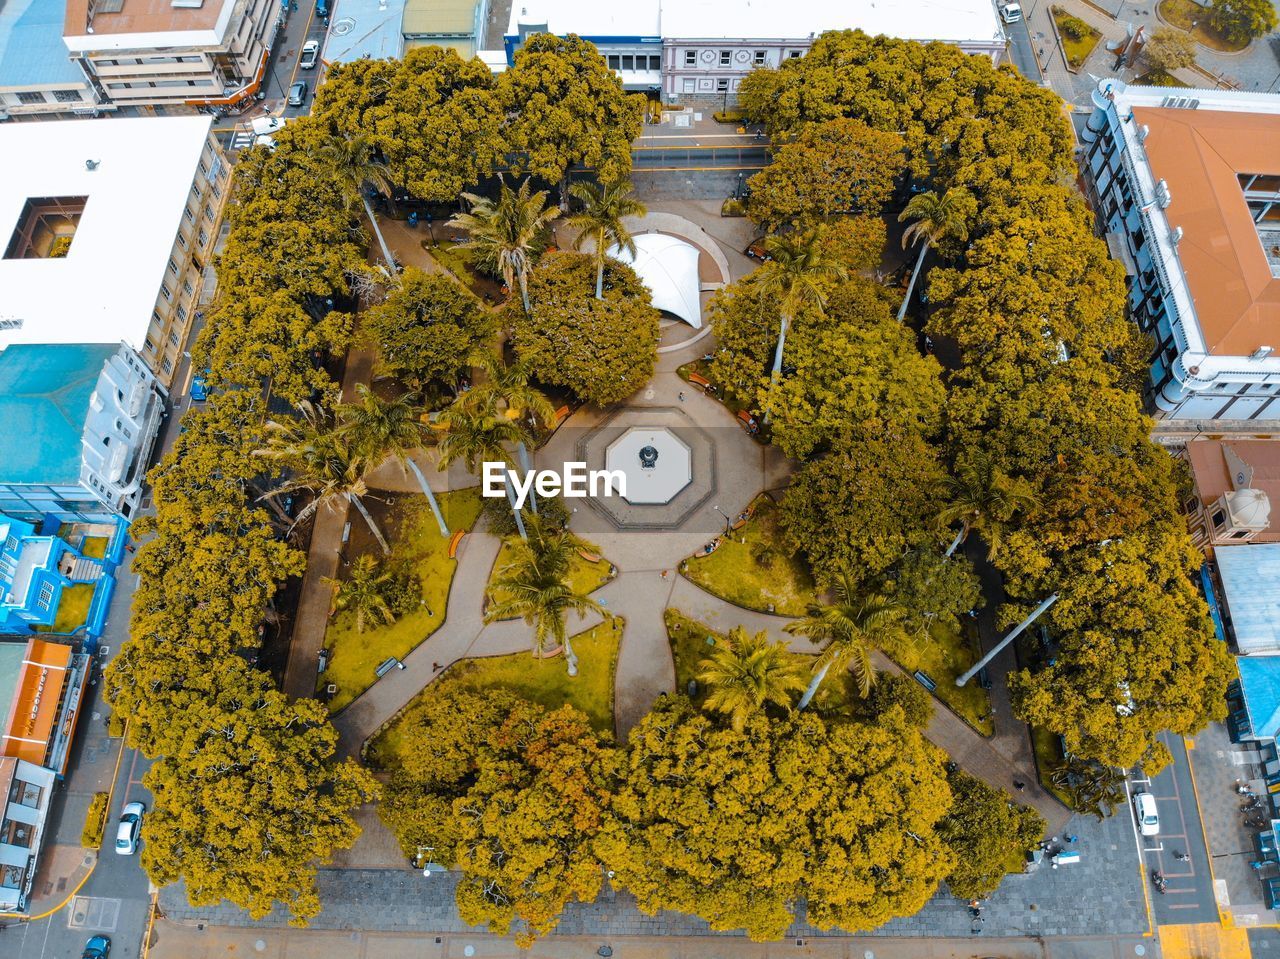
113,899
1189,893
1022,51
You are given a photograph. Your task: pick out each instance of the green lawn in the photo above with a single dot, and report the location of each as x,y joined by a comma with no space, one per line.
1182,13
944,655
584,576
733,572
1048,753
689,647
1158,78
94,547
544,681
73,609
353,656
1077,51
458,260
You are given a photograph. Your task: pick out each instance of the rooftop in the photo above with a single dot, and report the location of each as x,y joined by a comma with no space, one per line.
44,403
1250,576
120,24
31,718
31,49
11,656
1200,153
951,21
440,18
1260,683
588,18
1212,471
105,288
365,28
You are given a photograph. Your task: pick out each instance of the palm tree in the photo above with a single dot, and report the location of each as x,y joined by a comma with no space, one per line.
937,218
604,207
322,462
389,428
797,268
982,497
504,234
1090,787
852,627
362,592
476,433
745,673
507,387
351,160
536,585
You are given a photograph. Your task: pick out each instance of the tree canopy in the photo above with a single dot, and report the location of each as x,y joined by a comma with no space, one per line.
565,108
735,826
837,166
988,834
847,364
427,327
602,349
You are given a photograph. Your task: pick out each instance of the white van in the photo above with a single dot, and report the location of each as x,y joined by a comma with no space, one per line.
1010,12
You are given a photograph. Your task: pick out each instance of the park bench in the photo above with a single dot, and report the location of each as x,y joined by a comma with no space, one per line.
925,680
589,556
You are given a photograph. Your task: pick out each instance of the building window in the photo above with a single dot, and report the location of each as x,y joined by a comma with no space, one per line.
204,238
31,97
166,365
166,292
11,544
173,265
691,58
614,61
173,335
67,96
16,833
794,54
689,85
757,58
655,63
1219,519
726,58
182,240
191,217
45,599
149,346
628,61
722,86
208,213
186,285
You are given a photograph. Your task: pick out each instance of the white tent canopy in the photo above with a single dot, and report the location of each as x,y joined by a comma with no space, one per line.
668,266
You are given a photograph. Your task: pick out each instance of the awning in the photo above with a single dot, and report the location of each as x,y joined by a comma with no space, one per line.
668,266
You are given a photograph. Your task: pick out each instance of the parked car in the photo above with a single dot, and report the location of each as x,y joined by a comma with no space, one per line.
1144,810
310,54
1010,12
98,947
297,94
756,251
129,828
199,389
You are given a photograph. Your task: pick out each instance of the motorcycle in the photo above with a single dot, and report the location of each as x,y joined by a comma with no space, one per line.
1157,878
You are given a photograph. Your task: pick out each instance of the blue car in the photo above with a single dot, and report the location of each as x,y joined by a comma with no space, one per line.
99,947
199,389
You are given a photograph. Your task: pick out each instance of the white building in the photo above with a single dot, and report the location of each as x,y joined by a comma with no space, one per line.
107,227
1186,187
172,52
708,46
38,77
25,793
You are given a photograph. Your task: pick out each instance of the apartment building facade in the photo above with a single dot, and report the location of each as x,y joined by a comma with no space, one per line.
110,227
1186,188
38,78
166,54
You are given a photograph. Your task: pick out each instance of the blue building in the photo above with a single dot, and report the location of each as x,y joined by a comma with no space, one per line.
628,35
36,569
38,76
79,424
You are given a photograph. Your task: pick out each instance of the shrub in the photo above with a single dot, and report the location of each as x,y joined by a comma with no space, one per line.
95,821
1074,27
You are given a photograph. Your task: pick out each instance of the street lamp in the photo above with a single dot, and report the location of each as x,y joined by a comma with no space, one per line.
728,527
738,194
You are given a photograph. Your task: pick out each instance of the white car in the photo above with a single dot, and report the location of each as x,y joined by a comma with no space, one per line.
1010,12
310,54
1144,810
129,828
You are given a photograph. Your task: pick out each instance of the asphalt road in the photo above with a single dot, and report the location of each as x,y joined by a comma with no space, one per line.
1022,51
1189,891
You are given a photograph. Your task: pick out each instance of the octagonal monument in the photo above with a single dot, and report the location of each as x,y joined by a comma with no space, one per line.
669,462
656,463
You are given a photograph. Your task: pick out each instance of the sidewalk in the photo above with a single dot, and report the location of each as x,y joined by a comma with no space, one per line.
186,942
